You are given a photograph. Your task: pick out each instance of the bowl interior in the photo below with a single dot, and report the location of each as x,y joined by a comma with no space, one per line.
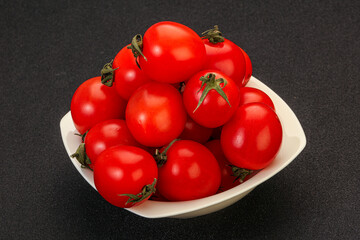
293,143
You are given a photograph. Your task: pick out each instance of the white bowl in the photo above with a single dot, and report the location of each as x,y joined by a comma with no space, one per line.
293,143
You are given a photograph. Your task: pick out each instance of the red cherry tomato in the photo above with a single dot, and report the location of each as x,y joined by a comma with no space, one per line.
128,77
123,170
155,114
195,132
94,102
214,110
252,138
248,68
226,57
190,172
249,95
173,51
105,135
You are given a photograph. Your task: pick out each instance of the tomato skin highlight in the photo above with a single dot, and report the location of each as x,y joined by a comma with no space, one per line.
252,138
123,170
249,95
94,102
174,52
190,172
214,111
105,135
128,77
226,57
155,114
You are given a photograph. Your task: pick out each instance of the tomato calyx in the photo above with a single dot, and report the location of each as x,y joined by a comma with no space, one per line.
81,156
211,83
82,135
213,35
136,48
107,74
145,193
161,157
240,173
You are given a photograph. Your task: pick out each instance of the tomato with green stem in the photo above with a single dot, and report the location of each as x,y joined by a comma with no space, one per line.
211,98
102,136
124,74
225,56
169,52
187,171
125,176
94,102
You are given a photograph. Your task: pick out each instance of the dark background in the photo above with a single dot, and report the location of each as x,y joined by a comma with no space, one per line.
306,51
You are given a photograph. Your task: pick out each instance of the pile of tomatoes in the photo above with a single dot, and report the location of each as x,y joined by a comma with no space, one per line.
171,118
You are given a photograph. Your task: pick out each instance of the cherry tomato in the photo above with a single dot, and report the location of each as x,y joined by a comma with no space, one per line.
174,52
94,102
248,68
190,172
125,176
107,134
249,95
225,56
213,110
155,114
128,77
195,132
252,138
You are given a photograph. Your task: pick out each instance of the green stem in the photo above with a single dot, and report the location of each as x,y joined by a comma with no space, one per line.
81,156
161,158
240,173
136,47
213,35
145,193
211,83
107,74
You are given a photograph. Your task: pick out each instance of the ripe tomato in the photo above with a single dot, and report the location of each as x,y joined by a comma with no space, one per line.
249,95
107,134
173,52
128,77
125,176
195,132
248,68
252,138
224,55
213,110
155,114
190,172
94,102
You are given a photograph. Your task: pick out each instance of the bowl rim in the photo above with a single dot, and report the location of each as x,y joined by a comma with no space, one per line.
158,209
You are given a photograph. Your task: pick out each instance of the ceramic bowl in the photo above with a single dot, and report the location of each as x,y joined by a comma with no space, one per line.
293,143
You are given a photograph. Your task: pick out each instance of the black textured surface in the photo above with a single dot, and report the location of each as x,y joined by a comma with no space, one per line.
306,51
